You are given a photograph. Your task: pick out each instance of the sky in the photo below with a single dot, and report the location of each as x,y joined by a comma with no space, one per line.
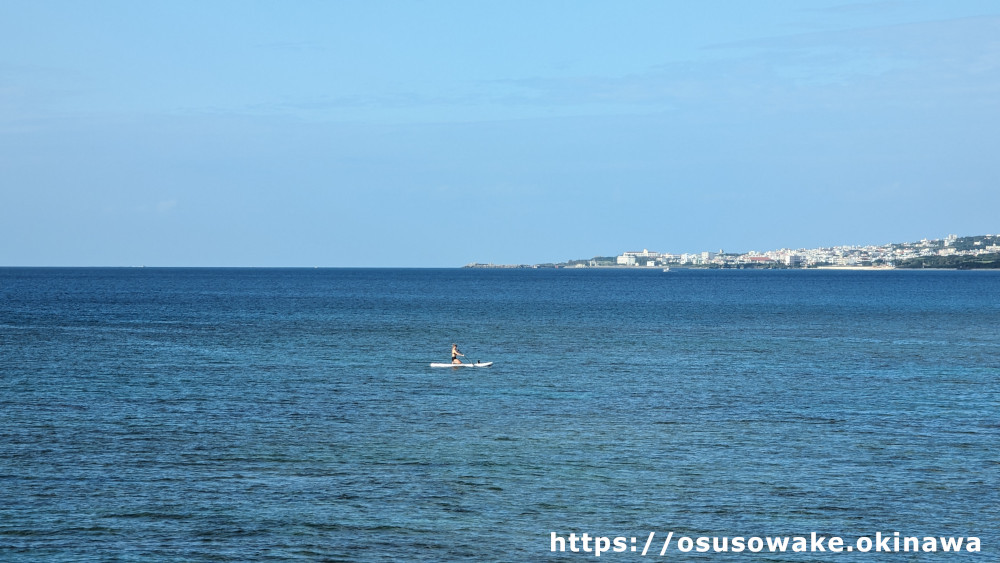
438,133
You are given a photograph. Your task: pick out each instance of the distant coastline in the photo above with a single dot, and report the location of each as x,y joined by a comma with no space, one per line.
952,252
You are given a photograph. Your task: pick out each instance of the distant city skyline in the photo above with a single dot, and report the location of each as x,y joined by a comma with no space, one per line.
439,133
886,254
854,244
872,255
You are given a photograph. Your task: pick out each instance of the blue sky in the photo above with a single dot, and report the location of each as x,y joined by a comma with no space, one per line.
438,133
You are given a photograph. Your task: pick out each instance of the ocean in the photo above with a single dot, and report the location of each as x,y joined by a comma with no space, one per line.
269,414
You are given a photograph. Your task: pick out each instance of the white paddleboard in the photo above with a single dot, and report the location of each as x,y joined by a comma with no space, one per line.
475,365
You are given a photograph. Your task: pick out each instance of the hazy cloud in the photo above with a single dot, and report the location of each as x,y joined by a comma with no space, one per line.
166,206
911,64
901,64
293,46
855,8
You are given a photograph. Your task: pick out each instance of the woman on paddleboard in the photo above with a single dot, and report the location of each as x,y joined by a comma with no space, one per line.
455,354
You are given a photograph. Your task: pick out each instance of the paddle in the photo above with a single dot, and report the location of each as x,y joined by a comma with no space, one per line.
470,361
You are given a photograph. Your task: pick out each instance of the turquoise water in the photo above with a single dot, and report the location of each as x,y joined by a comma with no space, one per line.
238,415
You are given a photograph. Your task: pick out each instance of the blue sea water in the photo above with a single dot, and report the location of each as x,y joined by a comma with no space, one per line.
265,414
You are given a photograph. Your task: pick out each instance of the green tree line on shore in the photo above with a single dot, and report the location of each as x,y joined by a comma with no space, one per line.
981,262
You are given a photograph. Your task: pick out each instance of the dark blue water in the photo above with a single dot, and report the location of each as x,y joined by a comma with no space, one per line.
237,415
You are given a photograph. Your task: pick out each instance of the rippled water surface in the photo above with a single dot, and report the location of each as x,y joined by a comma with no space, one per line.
235,415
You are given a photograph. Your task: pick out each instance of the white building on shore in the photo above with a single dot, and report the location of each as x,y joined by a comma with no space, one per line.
633,258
